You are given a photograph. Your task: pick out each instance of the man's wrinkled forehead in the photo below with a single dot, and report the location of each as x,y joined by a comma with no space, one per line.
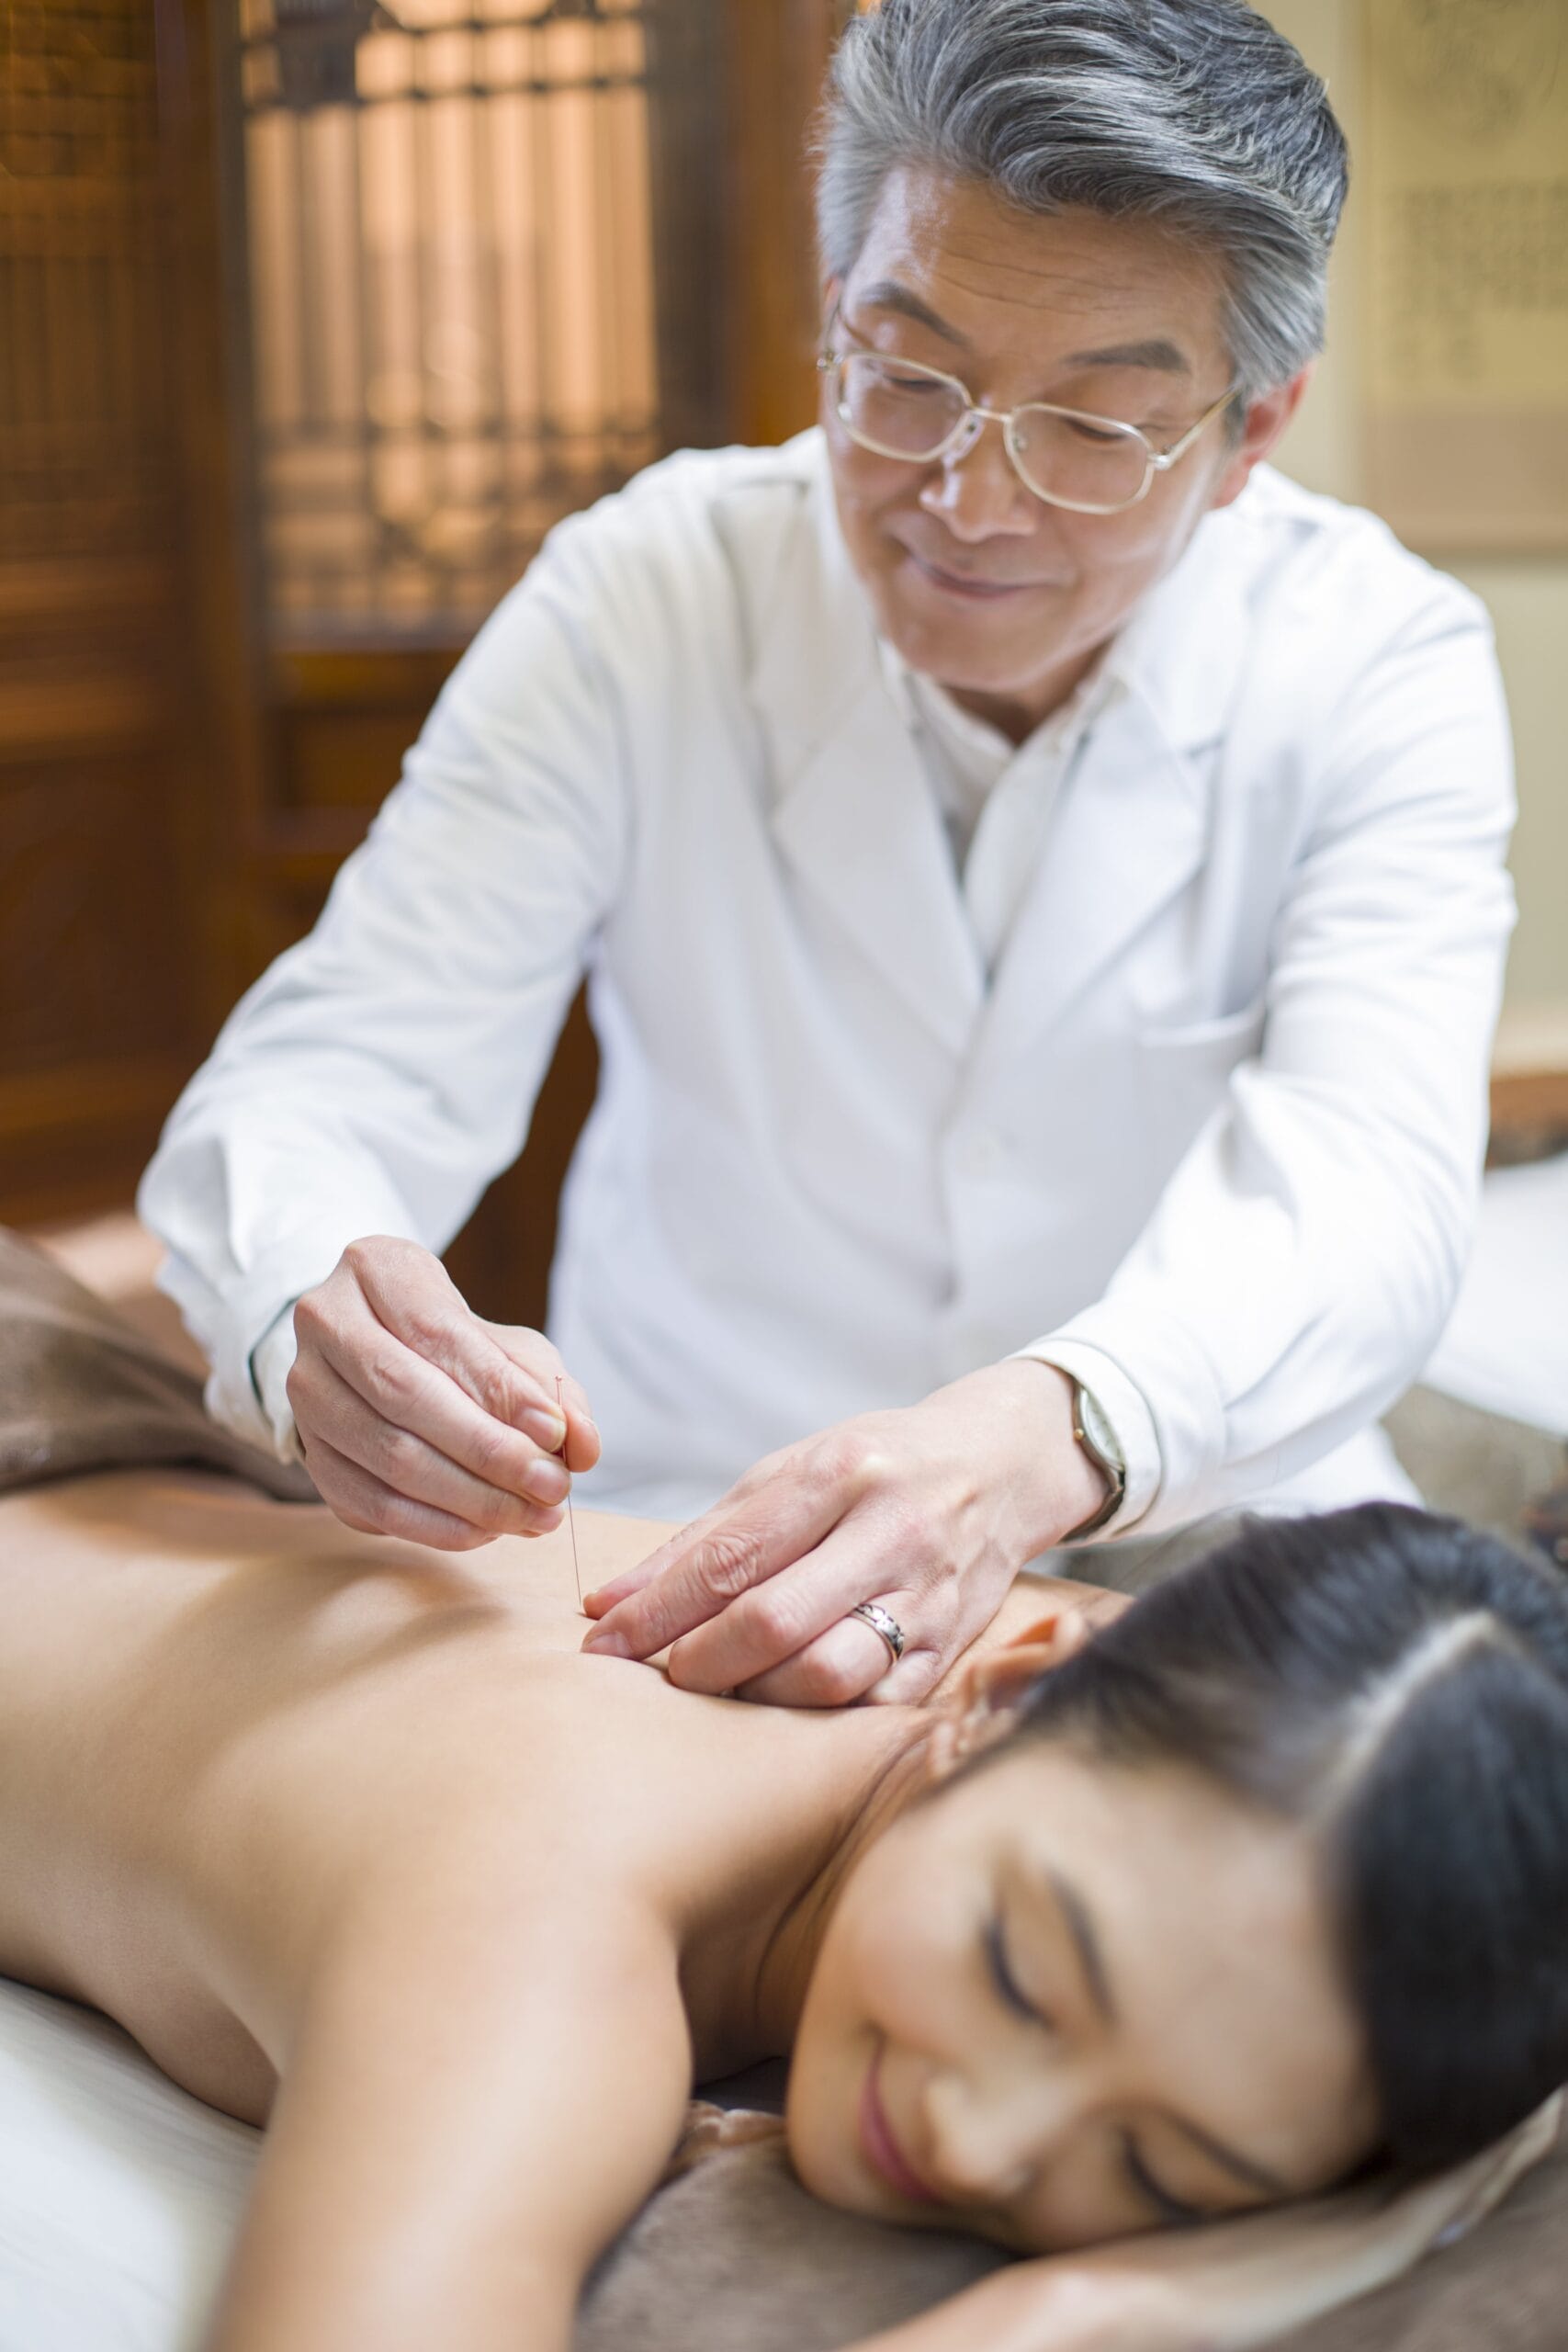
950,258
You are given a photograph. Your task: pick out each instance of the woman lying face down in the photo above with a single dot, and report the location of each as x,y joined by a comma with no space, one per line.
1258,1886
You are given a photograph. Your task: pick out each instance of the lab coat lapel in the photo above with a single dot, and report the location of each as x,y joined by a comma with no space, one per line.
853,811
1137,814
1128,834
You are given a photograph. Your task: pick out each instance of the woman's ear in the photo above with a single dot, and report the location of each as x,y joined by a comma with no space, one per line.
983,1704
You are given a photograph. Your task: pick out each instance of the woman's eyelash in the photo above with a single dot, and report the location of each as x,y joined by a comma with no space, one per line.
1171,2209
1003,1978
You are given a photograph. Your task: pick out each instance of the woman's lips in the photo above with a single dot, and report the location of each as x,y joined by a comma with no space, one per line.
882,2151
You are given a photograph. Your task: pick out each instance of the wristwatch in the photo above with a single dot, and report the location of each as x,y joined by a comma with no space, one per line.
1093,1432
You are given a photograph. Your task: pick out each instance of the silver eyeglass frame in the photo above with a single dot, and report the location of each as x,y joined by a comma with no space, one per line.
969,426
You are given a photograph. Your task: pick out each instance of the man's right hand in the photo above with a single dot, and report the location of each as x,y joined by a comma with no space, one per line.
417,1419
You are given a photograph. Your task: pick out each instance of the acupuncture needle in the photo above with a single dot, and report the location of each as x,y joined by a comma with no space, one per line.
576,1572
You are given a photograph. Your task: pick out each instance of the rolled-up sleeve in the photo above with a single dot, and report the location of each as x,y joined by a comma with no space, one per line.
1306,1251
384,1070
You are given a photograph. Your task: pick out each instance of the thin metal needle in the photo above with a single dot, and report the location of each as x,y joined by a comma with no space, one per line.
576,1571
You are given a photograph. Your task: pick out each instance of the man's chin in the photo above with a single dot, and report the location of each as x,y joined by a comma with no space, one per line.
961,654
943,657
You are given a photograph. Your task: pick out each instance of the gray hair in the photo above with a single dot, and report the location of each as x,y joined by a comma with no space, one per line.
1195,114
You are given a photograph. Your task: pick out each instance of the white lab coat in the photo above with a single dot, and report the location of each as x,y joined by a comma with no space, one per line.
1211,1134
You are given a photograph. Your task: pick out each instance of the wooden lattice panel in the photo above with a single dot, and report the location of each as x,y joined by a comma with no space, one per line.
452,298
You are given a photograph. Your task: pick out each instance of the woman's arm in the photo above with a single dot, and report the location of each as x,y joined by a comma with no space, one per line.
470,2111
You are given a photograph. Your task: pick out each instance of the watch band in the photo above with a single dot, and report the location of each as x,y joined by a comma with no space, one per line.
1093,1429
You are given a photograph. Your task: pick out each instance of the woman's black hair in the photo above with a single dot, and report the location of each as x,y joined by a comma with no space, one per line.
1400,1681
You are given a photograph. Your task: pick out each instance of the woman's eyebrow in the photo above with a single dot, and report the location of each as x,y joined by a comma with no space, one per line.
1086,1943
1255,2175
1092,1960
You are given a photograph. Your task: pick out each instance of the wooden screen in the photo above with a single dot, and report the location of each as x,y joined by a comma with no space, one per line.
96,1030
313,316
452,300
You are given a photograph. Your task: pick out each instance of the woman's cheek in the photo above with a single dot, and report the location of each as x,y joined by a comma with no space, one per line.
911,1956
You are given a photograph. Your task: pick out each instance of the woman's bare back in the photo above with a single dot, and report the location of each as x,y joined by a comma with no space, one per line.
351,1839
218,1716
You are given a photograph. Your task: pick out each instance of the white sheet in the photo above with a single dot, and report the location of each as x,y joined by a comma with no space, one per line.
119,2194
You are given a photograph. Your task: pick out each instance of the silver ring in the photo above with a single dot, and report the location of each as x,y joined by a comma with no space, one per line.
882,1621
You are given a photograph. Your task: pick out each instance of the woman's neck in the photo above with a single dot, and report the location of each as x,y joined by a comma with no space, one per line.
789,1954
748,1958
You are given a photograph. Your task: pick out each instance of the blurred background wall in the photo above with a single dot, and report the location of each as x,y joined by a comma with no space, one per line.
1526,594
314,314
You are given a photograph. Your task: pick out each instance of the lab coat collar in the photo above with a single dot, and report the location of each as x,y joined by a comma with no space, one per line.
853,813
1183,651
1135,816
851,808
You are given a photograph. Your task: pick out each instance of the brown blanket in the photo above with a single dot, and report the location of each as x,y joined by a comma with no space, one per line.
735,2252
81,1390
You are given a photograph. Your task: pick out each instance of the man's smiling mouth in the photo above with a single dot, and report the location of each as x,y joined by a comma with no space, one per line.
971,585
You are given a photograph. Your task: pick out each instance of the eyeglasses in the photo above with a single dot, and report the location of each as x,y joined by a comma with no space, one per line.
1093,465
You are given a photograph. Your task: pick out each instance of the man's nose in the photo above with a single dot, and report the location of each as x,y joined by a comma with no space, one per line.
977,491
984,2143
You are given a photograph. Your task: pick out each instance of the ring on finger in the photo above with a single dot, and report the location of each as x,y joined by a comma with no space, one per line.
882,1621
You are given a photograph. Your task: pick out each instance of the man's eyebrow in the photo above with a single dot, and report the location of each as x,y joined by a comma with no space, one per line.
1153,352
888,295
1092,1959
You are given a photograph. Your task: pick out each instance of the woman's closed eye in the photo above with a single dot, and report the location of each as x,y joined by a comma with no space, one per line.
1174,2213
1003,1978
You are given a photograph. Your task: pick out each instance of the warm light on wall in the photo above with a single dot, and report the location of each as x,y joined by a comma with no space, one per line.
451,292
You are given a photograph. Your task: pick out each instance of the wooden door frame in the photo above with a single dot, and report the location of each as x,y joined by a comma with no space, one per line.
776,62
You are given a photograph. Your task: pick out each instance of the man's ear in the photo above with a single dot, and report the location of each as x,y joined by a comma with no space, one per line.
983,1704
1267,418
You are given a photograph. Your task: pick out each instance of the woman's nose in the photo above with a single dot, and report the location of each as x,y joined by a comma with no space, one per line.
984,2144
977,491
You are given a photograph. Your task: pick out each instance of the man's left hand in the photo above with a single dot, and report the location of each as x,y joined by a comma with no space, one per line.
930,1509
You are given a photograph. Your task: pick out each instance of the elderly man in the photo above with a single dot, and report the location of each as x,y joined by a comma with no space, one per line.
1040,878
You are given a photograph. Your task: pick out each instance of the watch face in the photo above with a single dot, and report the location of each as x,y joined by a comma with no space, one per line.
1100,1433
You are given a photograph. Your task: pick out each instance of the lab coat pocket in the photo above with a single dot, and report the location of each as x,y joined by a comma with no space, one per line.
1186,1070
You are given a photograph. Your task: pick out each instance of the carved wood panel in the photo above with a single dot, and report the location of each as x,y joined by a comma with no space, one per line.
96,931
